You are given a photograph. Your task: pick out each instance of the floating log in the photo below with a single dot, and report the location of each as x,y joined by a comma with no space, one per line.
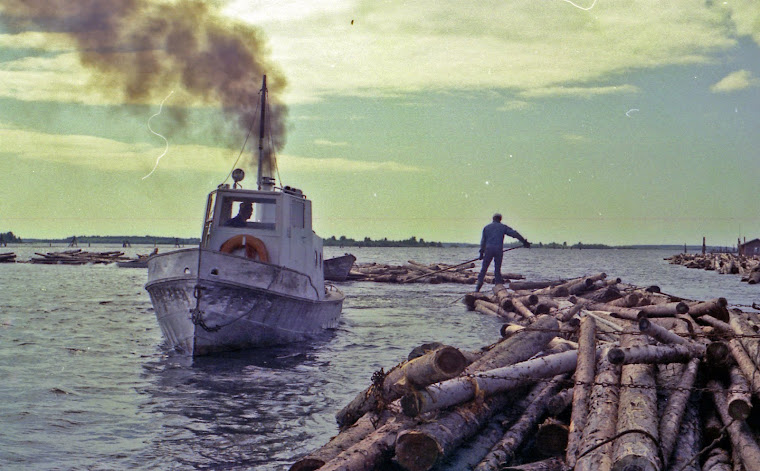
652,354
443,363
584,378
421,448
595,449
741,437
504,451
347,438
637,416
7,257
519,347
688,444
371,450
739,398
665,309
670,423
458,390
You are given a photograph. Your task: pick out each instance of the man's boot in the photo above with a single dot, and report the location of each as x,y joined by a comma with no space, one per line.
478,286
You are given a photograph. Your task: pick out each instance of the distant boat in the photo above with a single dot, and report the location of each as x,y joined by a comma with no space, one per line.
338,268
255,280
140,262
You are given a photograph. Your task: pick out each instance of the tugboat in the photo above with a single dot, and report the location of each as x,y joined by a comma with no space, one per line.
256,278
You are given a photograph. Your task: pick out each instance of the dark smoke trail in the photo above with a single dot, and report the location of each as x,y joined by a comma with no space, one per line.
142,49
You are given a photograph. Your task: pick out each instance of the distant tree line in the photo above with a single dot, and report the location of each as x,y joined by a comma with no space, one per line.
8,238
344,241
120,240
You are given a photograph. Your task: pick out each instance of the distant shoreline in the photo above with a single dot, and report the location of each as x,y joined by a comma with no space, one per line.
183,242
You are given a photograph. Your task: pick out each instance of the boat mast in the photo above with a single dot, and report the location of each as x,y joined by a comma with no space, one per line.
262,129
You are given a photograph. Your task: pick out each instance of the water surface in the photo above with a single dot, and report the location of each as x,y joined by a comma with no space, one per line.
88,385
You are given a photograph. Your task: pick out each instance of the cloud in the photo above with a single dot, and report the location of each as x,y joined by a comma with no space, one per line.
524,46
735,81
108,154
536,48
328,143
585,92
291,163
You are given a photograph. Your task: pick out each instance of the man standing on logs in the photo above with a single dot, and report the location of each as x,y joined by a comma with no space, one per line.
492,248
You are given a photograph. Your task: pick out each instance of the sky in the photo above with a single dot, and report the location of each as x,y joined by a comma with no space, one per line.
602,121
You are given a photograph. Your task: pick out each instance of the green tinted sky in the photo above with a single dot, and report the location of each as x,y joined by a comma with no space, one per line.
629,122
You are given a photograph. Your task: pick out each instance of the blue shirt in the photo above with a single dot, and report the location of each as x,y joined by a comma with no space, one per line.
493,235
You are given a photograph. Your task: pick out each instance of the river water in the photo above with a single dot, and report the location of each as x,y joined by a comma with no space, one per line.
87,384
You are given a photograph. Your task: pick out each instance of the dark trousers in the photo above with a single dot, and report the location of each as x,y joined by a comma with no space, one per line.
496,254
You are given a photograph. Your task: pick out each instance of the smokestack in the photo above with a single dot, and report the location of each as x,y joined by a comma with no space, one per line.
143,49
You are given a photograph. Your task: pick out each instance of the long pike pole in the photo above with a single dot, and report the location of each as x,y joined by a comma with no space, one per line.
455,266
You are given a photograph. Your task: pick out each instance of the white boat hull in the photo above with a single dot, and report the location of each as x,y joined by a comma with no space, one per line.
242,303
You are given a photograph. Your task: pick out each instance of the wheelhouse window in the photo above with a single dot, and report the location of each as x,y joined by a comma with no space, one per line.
250,213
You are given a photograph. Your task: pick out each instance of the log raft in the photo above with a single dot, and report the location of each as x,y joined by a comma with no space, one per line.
603,376
415,272
724,263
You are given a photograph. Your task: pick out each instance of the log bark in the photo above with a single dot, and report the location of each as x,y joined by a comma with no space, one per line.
486,307
747,367
629,300
637,414
742,328
458,390
660,333
522,310
504,451
665,310
370,452
560,402
673,414
715,307
739,398
551,464
568,314
432,367
718,459
468,456
689,440
741,437
584,379
341,442
653,354
422,447
518,347
602,419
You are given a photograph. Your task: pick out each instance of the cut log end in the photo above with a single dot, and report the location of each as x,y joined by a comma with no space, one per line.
417,451
450,360
616,356
739,410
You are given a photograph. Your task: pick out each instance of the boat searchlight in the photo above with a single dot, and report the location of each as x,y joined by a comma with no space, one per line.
237,175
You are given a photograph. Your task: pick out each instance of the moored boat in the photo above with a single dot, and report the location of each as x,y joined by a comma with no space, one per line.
338,268
255,280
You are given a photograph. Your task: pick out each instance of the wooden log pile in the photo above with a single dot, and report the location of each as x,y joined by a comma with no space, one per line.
415,272
7,257
590,374
723,263
78,257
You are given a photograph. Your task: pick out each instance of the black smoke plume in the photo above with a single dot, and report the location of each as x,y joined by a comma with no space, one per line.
143,49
